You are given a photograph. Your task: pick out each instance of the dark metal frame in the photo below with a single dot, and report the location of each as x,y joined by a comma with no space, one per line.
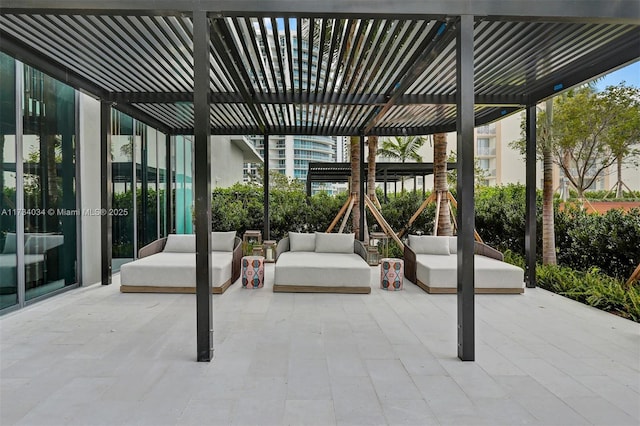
202,185
530,200
106,222
265,185
465,190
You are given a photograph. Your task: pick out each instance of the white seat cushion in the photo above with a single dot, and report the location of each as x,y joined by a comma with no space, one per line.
440,271
174,270
322,269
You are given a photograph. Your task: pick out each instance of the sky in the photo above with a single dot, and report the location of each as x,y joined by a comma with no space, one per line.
629,74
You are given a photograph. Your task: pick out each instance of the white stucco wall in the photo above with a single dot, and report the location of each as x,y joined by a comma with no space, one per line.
226,162
90,189
510,163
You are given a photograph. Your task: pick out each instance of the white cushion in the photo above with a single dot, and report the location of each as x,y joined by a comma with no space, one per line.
453,245
429,244
180,243
299,241
9,243
322,269
334,243
223,241
174,270
441,272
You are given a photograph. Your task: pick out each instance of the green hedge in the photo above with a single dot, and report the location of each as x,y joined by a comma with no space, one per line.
609,242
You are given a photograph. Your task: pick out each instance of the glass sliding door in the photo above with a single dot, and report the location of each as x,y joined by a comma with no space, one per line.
184,180
163,229
122,151
48,153
147,195
8,255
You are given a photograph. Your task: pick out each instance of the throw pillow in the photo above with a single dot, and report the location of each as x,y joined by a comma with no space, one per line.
334,243
453,245
429,244
223,241
300,241
180,243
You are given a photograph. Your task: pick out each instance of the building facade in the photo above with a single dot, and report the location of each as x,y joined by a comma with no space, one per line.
290,155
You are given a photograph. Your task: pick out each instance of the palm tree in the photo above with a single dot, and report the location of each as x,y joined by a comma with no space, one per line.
354,146
371,164
548,224
440,184
402,148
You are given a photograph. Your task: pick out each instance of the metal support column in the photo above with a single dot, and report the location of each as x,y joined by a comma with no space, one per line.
530,197
202,185
362,193
168,176
267,219
106,224
466,208
386,199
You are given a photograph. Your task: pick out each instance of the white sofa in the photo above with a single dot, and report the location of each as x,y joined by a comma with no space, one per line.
168,265
321,263
431,263
42,252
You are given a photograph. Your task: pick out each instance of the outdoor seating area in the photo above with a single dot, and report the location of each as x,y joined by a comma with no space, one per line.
168,265
321,263
431,263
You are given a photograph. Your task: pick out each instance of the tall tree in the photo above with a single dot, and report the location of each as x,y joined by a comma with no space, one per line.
590,131
371,169
440,184
402,148
624,137
354,146
582,124
545,140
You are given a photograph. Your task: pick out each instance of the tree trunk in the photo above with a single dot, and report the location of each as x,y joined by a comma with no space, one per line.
619,182
548,224
354,145
440,183
371,165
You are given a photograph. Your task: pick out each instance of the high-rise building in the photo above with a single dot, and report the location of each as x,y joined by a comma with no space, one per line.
290,155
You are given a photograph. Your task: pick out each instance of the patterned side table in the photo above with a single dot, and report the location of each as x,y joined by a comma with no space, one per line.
253,271
391,273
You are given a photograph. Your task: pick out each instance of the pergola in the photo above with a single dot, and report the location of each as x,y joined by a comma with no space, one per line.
385,172
377,67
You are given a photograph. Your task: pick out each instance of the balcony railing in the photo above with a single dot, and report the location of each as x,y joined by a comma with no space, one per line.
483,150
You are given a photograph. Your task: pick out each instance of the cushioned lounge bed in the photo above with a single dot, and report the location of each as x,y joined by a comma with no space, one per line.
431,263
321,263
168,265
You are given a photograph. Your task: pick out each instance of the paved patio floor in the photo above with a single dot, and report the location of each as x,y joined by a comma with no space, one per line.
95,356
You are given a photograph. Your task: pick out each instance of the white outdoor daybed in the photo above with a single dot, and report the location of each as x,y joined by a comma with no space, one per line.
431,263
321,263
168,265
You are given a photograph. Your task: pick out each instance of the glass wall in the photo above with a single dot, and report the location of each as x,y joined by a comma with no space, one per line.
183,165
123,244
139,185
49,158
8,256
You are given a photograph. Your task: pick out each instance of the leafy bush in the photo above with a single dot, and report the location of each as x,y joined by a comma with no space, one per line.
591,287
610,242
500,217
